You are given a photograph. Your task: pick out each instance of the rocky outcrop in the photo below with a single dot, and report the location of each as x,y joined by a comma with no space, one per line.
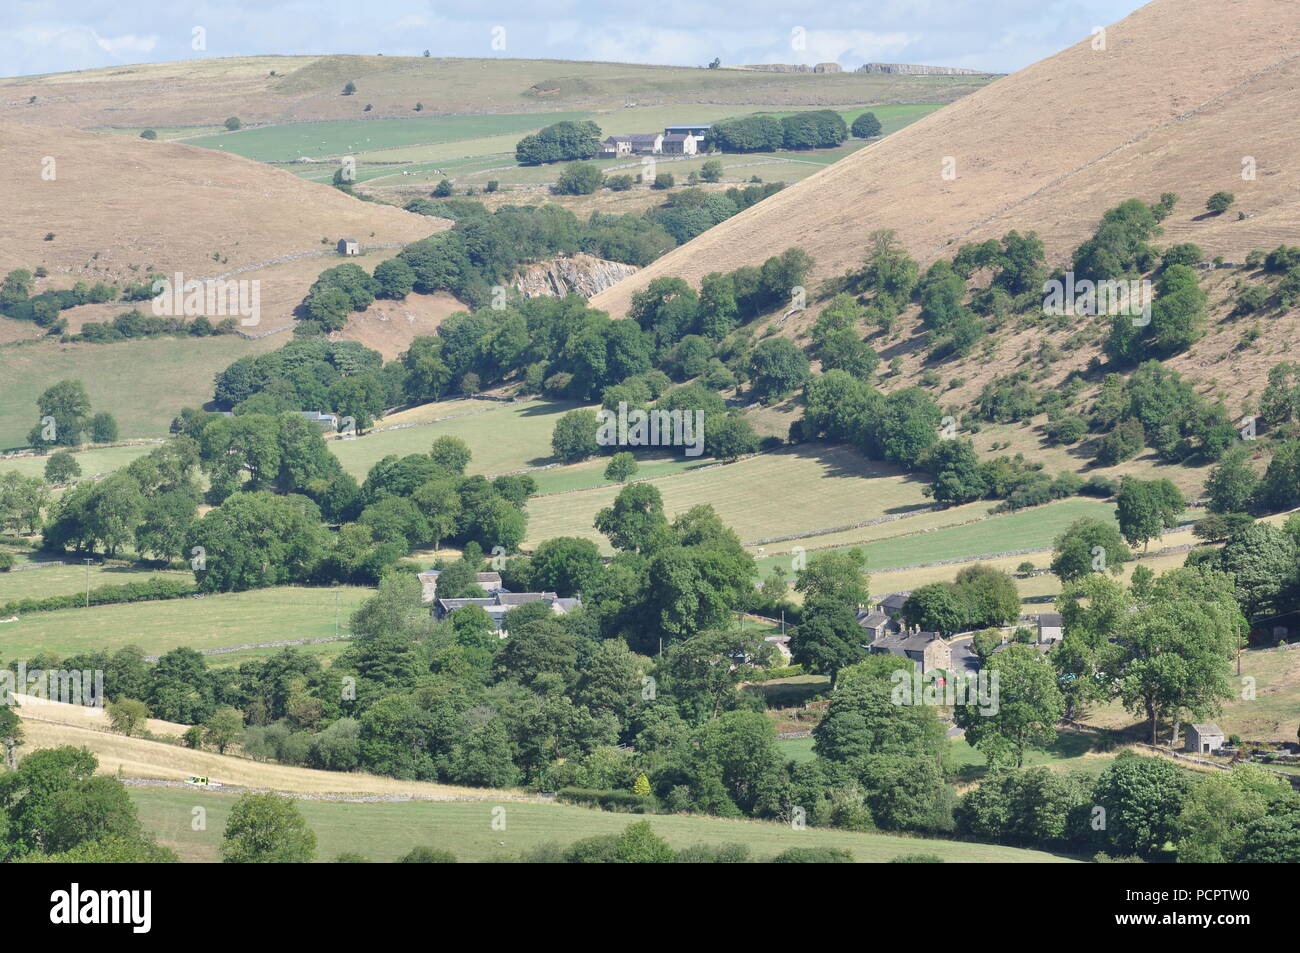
908,69
581,274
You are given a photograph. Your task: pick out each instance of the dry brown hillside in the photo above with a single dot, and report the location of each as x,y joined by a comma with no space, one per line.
1182,91
261,89
119,208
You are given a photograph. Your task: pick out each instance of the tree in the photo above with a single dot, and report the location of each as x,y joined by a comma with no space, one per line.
574,437
1143,799
863,719
835,576
1219,202
1088,545
1262,561
935,607
729,437
266,829
127,715
1178,648
256,539
711,171
349,88
61,467
635,521
1231,485
828,639
621,467
224,728
639,844
395,278
866,126
989,594
443,189
1026,712
579,178
69,407
103,428
233,123
1146,508
451,453
1220,809
776,368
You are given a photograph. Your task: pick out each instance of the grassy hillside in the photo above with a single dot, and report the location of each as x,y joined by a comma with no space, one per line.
180,373
790,491
386,831
219,621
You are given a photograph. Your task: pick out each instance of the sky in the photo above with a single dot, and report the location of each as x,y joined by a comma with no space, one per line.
52,36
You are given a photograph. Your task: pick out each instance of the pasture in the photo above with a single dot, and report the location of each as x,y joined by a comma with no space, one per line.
207,622
143,383
316,140
53,579
502,437
93,461
1025,529
385,831
794,490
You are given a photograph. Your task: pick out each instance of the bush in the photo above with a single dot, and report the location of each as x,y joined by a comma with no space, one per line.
664,180
233,123
428,855
1219,202
580,178
622,802
153,588
148,134
813,855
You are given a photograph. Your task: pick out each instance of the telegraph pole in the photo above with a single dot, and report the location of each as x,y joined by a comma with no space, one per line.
88,562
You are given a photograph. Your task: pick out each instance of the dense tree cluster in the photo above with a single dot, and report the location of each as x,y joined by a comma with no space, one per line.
559,142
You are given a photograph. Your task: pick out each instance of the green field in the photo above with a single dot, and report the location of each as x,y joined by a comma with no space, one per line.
242,618
504,437
143,383
810,487
55,580
1025,529
315,140
386,831
92,462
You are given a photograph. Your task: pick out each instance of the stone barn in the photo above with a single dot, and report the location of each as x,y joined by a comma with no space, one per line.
349,246
1204,739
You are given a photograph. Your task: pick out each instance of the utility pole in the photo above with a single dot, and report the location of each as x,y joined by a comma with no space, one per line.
336,614
88,562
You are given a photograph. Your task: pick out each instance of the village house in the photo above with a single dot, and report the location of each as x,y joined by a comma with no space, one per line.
927,649
1204,739
499,604
489,582
324,421
1050,627
697,131
876,623
349,246
679,144
616,147
892,604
